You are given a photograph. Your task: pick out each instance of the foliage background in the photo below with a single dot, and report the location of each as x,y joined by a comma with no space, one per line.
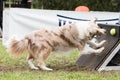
94,5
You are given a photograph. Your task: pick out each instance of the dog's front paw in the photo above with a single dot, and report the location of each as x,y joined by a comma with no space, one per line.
101,43
101,49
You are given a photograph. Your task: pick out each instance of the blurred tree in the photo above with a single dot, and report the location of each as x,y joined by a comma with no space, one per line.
94,5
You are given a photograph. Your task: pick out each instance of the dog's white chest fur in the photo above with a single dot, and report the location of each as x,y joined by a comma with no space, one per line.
82,29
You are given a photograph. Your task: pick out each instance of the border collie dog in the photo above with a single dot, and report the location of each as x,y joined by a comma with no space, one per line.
40,43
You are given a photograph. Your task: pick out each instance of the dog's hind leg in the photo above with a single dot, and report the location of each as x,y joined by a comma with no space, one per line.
43,55
30,62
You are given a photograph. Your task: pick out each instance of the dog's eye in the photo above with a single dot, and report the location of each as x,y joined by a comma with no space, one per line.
90,34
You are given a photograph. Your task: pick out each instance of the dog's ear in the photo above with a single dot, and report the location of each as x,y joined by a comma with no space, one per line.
93,23
94,20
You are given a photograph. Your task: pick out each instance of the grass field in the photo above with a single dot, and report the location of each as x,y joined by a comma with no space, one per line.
64,69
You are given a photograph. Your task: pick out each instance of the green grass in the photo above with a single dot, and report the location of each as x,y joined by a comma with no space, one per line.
63,65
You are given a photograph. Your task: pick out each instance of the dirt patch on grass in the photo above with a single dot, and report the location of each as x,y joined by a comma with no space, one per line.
55,68
12,68
70,68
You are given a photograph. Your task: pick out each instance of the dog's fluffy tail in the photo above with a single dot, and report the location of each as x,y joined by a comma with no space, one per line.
17,47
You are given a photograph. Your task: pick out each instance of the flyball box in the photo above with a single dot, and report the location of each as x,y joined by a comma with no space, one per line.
103,60
108,27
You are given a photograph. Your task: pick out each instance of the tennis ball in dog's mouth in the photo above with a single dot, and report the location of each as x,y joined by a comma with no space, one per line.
113,31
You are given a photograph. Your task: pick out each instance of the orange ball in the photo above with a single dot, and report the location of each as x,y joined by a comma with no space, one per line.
82,9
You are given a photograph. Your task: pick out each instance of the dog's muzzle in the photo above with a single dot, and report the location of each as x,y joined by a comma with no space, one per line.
101,32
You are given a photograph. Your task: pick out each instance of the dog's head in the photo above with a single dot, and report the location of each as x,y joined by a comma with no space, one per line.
94,29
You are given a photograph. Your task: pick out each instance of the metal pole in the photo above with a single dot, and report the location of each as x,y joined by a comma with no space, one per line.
3,5
9,3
